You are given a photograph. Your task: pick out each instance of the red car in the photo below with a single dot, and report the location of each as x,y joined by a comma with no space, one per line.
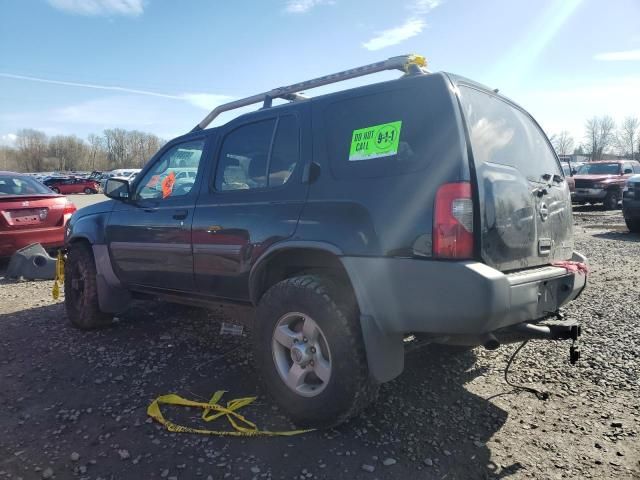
72,185
30,213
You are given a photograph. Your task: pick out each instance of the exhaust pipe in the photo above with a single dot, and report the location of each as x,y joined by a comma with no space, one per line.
490,342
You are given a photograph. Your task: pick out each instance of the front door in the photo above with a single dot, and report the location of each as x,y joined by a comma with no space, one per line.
253,199
149,237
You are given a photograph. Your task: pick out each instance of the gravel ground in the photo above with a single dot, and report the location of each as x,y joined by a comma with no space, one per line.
74,403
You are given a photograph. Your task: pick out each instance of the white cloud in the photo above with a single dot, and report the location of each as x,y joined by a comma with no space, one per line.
303,6
130,8
422,7
410,28
628,55
201,100
396,35
8,139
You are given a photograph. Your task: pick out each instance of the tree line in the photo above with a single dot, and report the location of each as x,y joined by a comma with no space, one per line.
602,137
115,148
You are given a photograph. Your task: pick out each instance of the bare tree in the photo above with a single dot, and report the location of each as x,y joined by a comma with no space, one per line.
562,143
628,136
599,135
32,149
69,151
96,150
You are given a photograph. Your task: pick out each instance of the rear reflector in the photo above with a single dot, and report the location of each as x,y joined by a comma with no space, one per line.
453,221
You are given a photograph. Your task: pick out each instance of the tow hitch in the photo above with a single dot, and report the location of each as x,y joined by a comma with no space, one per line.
556,331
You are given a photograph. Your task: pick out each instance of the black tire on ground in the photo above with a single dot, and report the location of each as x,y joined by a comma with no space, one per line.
89,191
611,200
81,290
633,225
349,388
55,189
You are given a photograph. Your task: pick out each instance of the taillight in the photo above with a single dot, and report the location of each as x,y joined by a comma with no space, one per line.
453,221
69,208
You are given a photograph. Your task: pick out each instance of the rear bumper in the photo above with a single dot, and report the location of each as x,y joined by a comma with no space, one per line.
10,242
456,298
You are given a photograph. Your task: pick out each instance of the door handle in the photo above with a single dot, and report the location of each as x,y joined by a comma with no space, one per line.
180,214
150,210
214,229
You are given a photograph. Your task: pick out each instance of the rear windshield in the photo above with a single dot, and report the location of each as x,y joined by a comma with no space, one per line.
599,169
501,133
21,185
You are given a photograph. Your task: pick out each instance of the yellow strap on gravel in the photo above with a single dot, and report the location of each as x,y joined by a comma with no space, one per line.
59,278
242,426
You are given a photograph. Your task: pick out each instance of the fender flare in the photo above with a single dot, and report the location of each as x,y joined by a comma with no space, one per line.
384,351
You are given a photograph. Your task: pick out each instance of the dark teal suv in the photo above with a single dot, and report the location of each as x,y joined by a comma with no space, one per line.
427,206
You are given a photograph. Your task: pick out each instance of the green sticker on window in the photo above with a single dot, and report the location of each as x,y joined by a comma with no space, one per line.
375,142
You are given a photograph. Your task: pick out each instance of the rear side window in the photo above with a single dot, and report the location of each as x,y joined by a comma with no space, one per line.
390,132
263,154
501,133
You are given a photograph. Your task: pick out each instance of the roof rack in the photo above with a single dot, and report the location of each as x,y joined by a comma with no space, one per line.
409,64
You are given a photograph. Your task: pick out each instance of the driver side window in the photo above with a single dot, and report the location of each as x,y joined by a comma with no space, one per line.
174,174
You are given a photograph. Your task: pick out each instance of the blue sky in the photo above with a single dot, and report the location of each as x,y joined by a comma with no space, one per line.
80,66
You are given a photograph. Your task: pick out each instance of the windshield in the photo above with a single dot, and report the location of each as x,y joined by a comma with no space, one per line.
599,169
21,185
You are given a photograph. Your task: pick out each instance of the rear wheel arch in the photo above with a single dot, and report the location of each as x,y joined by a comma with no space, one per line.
289,260
385,353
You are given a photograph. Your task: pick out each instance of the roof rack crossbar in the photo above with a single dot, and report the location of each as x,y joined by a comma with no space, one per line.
406,63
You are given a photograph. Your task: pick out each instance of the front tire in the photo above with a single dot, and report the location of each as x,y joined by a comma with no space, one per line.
89,191
309,351
611,200
55,189
81,290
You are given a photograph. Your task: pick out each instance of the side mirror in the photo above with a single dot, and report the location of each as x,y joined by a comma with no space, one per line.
117,188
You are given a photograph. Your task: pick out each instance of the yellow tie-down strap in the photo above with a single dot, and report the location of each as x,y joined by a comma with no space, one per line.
59,278
212,411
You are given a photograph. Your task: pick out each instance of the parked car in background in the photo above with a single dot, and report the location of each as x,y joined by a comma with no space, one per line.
603,181
72,185
631,204
30,213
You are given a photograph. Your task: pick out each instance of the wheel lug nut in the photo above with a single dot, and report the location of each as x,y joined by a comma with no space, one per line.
313,349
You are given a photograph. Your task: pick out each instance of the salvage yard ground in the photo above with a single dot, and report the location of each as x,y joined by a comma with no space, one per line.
73,404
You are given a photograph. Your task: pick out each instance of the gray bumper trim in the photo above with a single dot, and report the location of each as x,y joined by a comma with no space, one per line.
456,298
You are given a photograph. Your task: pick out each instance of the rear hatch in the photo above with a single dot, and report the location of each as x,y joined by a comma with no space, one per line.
22,212
524,201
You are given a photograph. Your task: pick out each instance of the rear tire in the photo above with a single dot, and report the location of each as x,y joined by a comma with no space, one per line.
81,290
633,225
310,307
611,200
89,191
55,189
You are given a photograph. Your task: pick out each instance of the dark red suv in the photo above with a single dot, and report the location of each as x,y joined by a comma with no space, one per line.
603,181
